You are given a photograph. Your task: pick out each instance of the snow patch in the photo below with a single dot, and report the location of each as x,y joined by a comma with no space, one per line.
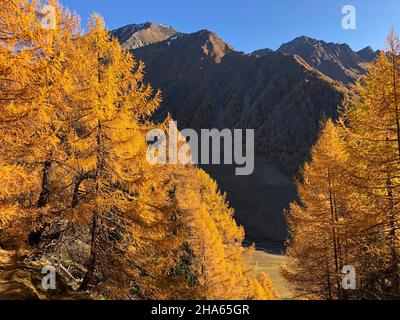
163,25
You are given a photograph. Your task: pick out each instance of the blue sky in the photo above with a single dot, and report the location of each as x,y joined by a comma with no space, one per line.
254,24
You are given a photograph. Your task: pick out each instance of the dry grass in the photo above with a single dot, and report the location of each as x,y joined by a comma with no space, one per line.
271,264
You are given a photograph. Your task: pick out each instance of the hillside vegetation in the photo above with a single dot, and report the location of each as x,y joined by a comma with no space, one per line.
75,181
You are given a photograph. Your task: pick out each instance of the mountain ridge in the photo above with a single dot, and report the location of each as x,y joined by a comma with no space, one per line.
336,60
205,83
284,95
132,36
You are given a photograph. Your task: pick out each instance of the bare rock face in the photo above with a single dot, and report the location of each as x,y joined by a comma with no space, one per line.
134,36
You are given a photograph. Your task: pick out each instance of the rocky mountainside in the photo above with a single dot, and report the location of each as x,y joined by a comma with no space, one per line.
262,52
337,61
207,84
283,95
133,36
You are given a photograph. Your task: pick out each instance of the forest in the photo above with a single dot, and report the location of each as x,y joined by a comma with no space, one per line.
77,190
348,213
75,185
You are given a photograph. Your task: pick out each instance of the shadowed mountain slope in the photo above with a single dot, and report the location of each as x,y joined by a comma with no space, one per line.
337,61
207,84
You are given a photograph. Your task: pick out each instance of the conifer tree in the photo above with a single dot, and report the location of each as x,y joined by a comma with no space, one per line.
316,251
374,145
32,78
217,267
75,113
112,185
359,167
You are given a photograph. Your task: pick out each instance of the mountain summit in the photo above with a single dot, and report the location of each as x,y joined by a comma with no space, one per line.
337,61
368,54
133,36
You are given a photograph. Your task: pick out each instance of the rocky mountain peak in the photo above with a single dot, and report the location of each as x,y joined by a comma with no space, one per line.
212,45
368,53
337,61
133,36
261,52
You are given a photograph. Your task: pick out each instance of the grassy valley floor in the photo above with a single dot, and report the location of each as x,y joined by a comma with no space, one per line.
271,264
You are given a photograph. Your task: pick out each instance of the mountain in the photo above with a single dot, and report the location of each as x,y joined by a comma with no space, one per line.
134,36
337,61
207,84
283,95
261,52
368,54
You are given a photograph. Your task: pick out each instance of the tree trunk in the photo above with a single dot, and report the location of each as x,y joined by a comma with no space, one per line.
78,181
35,236
89,275
45,192
393,217
334,237
328,278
